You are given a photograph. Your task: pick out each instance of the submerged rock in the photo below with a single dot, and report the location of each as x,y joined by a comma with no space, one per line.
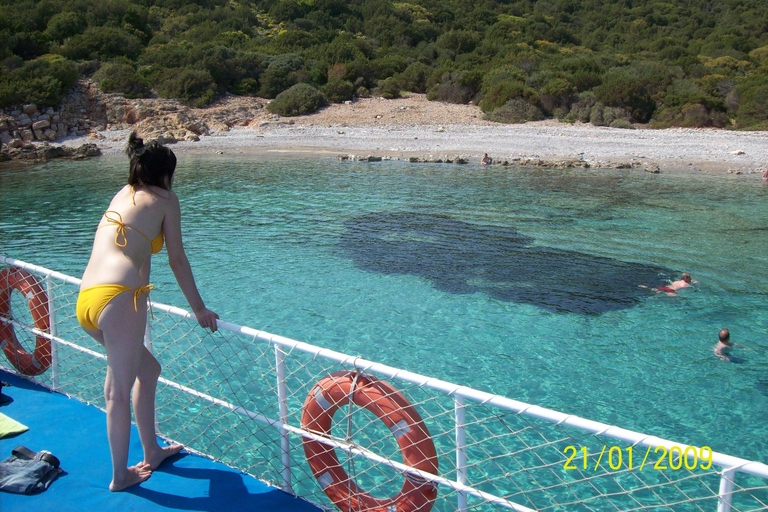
37,153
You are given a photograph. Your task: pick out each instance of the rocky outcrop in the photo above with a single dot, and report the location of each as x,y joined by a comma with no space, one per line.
87,110
37,153
171,121
516,161
80,113
461,159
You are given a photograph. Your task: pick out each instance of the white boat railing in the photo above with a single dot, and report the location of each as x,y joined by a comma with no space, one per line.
237,395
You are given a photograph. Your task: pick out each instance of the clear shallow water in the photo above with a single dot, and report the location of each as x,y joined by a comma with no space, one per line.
521,282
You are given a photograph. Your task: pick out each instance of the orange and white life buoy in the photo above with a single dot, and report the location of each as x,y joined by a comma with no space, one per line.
392,408
28,285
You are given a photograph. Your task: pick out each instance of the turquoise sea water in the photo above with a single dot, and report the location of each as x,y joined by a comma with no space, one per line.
521,282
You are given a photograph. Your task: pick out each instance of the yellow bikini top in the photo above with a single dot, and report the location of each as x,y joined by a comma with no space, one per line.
121,240
157,243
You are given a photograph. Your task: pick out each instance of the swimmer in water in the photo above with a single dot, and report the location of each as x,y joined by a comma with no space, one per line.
672,288
725,345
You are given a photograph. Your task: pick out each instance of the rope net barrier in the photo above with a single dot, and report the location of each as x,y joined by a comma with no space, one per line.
237,396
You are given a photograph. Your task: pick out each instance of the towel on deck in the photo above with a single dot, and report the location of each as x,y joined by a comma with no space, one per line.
10,427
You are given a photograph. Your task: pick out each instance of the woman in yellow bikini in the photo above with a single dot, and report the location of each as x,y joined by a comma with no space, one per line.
112,306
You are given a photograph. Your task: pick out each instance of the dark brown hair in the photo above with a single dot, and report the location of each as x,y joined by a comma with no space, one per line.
150,164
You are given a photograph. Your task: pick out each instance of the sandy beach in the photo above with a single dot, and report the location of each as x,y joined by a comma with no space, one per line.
415,127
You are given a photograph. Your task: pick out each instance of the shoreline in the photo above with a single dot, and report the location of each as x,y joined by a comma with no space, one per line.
413,127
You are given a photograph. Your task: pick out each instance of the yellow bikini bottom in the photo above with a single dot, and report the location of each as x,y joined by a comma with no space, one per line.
94,299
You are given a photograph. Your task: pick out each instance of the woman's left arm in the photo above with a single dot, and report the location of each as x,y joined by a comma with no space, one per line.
179,263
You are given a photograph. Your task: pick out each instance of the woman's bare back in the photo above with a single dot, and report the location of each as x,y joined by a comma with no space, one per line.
128,265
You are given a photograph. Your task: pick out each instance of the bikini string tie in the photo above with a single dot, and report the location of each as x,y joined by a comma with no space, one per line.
121,229
137,294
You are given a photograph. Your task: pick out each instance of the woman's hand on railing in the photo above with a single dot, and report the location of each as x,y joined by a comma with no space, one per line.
207,319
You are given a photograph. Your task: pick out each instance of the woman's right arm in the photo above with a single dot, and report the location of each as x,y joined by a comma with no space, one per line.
182,270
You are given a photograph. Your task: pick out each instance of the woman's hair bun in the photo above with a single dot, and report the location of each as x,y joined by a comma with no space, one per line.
135,147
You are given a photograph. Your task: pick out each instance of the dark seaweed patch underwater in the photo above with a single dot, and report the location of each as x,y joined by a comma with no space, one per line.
463,258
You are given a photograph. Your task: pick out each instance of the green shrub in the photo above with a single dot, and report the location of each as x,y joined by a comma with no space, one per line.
338,91
414,78
386,67
389,89
718,86
64,25
175,54
622,123
27,45
699,116
121,77
43,81
582,108
246,87
586,72
585,80
502,92
194,87
452,89
690,116
602,115
360,73
515,111
622,89
347,48
293,40
688,92
298,100
459,41
228,66
760,54
500,74
101,43
752,112
286,10
281,74
557,93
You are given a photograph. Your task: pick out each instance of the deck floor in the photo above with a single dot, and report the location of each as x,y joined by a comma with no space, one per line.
76,433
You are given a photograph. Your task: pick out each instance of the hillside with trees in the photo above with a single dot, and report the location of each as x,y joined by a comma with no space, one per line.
696,63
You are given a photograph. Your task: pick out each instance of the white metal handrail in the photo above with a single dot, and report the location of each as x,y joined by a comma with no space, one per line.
730,465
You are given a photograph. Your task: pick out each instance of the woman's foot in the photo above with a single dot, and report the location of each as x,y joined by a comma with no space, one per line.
134,475
154,460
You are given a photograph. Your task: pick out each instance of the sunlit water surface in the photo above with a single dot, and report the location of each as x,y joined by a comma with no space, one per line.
521,282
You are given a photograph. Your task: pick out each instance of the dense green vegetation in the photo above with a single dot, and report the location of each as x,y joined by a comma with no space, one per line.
670,63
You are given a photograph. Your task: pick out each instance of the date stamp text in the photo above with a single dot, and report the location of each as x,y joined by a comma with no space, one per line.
615,458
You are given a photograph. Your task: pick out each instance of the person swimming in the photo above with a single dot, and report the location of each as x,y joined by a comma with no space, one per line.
672,288
725,346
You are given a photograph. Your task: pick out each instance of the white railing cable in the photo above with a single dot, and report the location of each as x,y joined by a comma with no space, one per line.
460,394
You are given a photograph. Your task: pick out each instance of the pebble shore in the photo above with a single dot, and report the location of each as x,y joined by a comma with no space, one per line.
541,144
413,128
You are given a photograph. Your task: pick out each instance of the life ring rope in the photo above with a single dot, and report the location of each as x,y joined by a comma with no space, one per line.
351,469
399,416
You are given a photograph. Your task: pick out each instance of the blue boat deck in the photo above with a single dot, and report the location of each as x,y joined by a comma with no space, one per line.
76,433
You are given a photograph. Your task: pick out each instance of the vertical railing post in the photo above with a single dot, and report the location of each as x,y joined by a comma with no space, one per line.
461,451
54,331
282,397
726,490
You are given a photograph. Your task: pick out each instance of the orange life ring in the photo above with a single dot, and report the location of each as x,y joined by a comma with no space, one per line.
391,407
28,285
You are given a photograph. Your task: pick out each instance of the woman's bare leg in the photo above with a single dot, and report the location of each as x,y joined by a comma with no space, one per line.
123,335
144,409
